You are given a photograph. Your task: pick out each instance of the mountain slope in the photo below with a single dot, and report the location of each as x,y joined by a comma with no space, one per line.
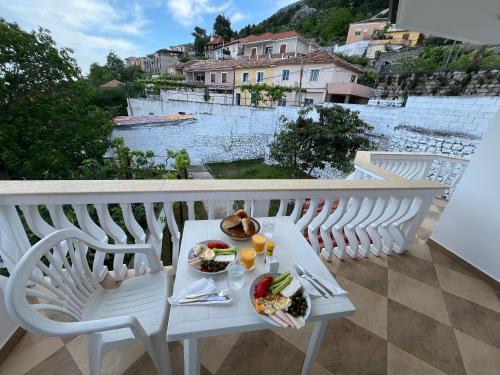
327,21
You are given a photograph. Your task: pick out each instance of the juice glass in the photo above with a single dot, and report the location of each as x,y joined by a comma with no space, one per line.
247,258
259,243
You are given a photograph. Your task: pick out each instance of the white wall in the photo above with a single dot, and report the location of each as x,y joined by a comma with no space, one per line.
449,125
7,326
470,224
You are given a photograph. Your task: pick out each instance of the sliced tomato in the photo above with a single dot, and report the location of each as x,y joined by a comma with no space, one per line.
217,245
259,294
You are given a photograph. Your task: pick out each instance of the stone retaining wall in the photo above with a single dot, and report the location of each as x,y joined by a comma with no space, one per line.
448,125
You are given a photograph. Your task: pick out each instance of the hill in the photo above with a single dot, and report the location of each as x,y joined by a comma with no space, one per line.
327,21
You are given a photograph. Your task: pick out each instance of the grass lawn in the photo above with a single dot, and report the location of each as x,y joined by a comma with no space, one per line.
248,169
253,169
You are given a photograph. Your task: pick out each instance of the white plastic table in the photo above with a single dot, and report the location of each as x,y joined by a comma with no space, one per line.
189,323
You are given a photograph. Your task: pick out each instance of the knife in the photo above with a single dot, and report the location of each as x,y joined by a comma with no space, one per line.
204,299
311,281
306,272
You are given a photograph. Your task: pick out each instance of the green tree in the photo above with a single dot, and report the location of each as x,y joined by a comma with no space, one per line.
337,26
49,124
99,74
115,65
222,27
305,144
200,39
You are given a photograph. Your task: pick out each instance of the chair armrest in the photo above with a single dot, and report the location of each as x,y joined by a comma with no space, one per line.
155,263
102,325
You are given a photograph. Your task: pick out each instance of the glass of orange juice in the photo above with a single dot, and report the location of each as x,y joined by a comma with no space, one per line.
247,258
259,243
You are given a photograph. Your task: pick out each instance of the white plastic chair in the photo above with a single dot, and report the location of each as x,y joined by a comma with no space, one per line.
64,283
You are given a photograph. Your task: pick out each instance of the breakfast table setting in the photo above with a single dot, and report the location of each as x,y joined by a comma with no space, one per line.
243,274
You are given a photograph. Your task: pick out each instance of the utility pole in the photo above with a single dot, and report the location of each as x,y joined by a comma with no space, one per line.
300,80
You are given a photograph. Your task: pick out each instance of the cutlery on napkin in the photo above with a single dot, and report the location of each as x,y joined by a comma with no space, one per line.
204,287
330,288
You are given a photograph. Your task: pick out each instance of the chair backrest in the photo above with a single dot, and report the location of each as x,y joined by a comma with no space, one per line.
53,276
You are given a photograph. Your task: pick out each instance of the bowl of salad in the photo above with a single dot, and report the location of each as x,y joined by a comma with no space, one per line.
280,299
211,256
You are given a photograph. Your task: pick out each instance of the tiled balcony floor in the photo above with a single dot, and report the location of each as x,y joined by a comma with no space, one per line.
424,312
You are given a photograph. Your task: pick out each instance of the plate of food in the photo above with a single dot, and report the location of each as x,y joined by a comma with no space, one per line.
280,300
212,256
240,226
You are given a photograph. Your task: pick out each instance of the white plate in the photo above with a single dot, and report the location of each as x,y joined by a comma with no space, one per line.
191,256
265,317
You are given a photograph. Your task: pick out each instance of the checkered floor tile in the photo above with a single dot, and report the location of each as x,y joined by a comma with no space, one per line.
423,312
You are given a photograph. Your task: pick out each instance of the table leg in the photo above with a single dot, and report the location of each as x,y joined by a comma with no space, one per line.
314,344
191,357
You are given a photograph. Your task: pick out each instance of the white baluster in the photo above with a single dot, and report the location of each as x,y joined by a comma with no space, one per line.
313,227
117,234
327,252
282,208
308,216
174,232
338,229
363,213
387,238
92,229
297,209
191,212
139,236
14,242
390,210
361,229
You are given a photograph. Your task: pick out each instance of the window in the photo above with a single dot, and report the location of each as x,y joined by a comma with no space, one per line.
406,36
308,101
199,77
357,33
212,77
223,77
285,74
244,77
238,98
282,102
269,50
283,48
260,76
353,79
313,74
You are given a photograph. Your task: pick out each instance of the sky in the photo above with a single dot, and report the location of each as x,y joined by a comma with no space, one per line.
129,27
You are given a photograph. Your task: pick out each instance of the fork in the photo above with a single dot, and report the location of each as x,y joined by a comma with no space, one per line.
204,298
220,293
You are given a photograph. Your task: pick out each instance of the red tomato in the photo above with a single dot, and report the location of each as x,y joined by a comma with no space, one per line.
217,245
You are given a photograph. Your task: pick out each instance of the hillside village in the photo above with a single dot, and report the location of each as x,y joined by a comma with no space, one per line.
354,70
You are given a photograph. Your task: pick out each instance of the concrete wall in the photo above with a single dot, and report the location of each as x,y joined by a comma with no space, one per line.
449,125
469,225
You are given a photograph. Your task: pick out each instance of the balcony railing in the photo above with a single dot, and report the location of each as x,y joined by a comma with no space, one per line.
378,208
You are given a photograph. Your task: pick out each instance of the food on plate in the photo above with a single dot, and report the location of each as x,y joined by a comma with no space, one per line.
231,222
248,226
241,213
239,225
214,256
282,299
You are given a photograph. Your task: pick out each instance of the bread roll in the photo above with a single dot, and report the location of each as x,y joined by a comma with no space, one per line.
248,226
241,213
231,222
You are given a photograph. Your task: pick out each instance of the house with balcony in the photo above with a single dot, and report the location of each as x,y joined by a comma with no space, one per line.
217,75
214,48
324,78
365,30
274,45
